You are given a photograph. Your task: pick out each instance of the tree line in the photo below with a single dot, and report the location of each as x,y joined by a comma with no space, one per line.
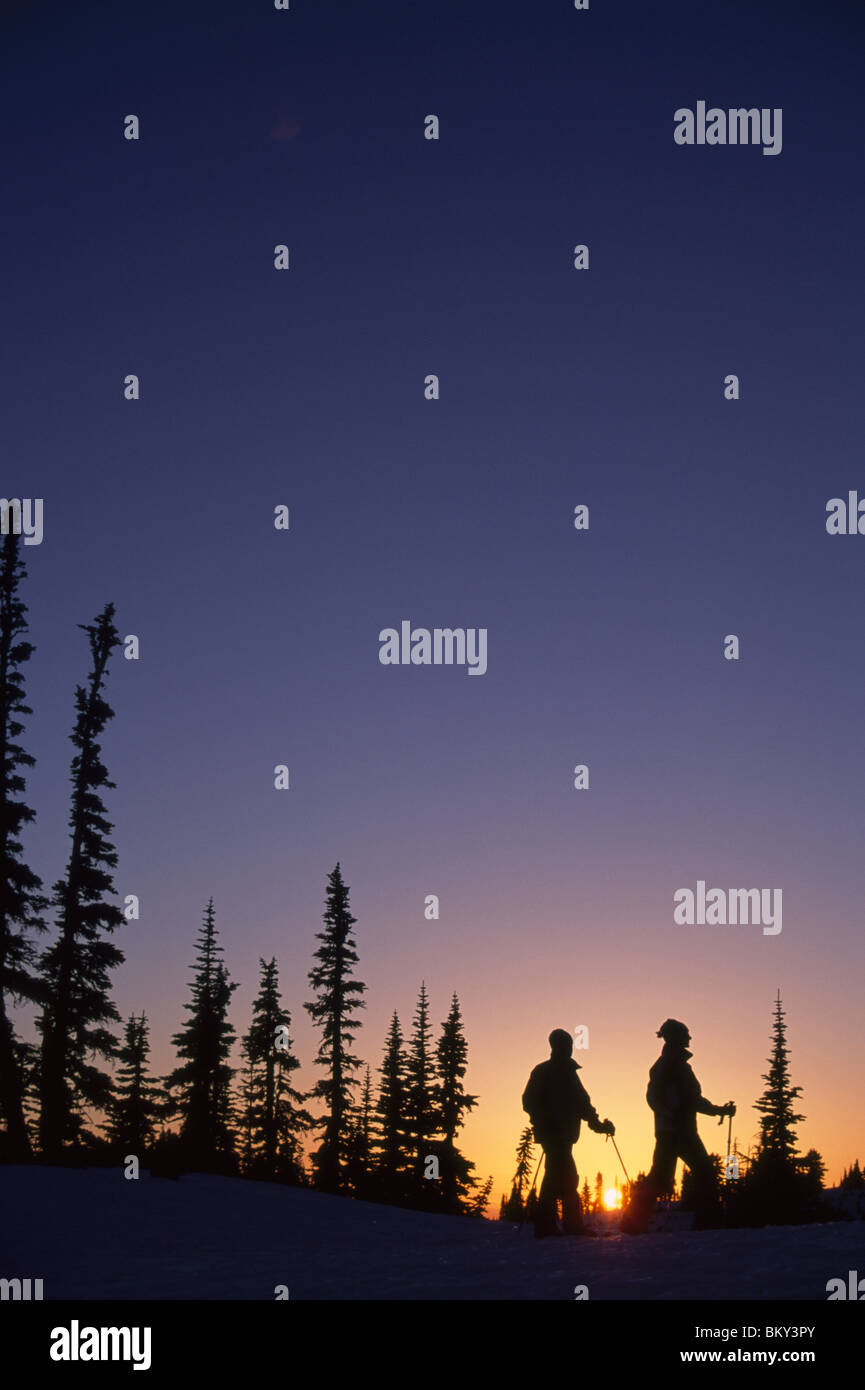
396,1142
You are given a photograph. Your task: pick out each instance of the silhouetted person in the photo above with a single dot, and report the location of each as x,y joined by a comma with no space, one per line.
675,1096
556,1102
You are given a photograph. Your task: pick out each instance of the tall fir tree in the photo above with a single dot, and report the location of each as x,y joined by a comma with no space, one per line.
778,1118
276,1107
391,1139
137,1102
514,1208
76,968
338,998
202,1084
365,1119
525,1158
22,903
358,1166
247,1107
779,1188
420,1084
453,1104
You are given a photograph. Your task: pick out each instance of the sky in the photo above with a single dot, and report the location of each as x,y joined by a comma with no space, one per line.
559,387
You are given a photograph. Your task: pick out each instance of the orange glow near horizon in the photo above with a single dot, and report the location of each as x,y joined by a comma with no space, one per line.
612,1199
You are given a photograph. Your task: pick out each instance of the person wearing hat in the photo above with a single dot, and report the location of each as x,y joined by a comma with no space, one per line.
556,1102
675,1096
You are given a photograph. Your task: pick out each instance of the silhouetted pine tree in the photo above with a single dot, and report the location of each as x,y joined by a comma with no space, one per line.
598,1204
586,1196
275,1106
452,1103
247,1107
136,1102
21,901
525,1158
359,1154
478,1204
813,1170
421,1099
852,1176
514,1208
778,1188
366,1117
779,1121
338,999
76,967
392,1145
203,1081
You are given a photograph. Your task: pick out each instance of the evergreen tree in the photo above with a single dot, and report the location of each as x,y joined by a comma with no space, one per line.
391,1140
338,999
421,1098
779,1188
813,1170
275,1107
77,966
365,1120
203,1081
247,1107
359,1151
586,1196
452,1102
136,1102
599,1192
451,1065
478,1204
21,901
514,1207
852,1176
778,1122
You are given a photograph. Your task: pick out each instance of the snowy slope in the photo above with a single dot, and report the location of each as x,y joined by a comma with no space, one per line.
93,1234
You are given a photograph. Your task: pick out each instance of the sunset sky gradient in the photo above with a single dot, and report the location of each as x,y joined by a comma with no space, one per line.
557,388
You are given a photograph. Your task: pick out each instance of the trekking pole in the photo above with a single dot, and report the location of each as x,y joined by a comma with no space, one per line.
619,1156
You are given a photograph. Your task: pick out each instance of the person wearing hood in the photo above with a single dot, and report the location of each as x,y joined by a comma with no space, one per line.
557,1102
675,1096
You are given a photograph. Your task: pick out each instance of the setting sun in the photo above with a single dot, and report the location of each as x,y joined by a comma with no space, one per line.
612,1199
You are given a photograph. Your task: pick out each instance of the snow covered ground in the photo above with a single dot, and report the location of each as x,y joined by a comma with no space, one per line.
92,1233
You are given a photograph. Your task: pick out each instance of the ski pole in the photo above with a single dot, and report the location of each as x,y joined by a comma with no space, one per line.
619,1156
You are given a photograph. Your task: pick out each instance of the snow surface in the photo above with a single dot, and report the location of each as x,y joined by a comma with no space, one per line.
91,1233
